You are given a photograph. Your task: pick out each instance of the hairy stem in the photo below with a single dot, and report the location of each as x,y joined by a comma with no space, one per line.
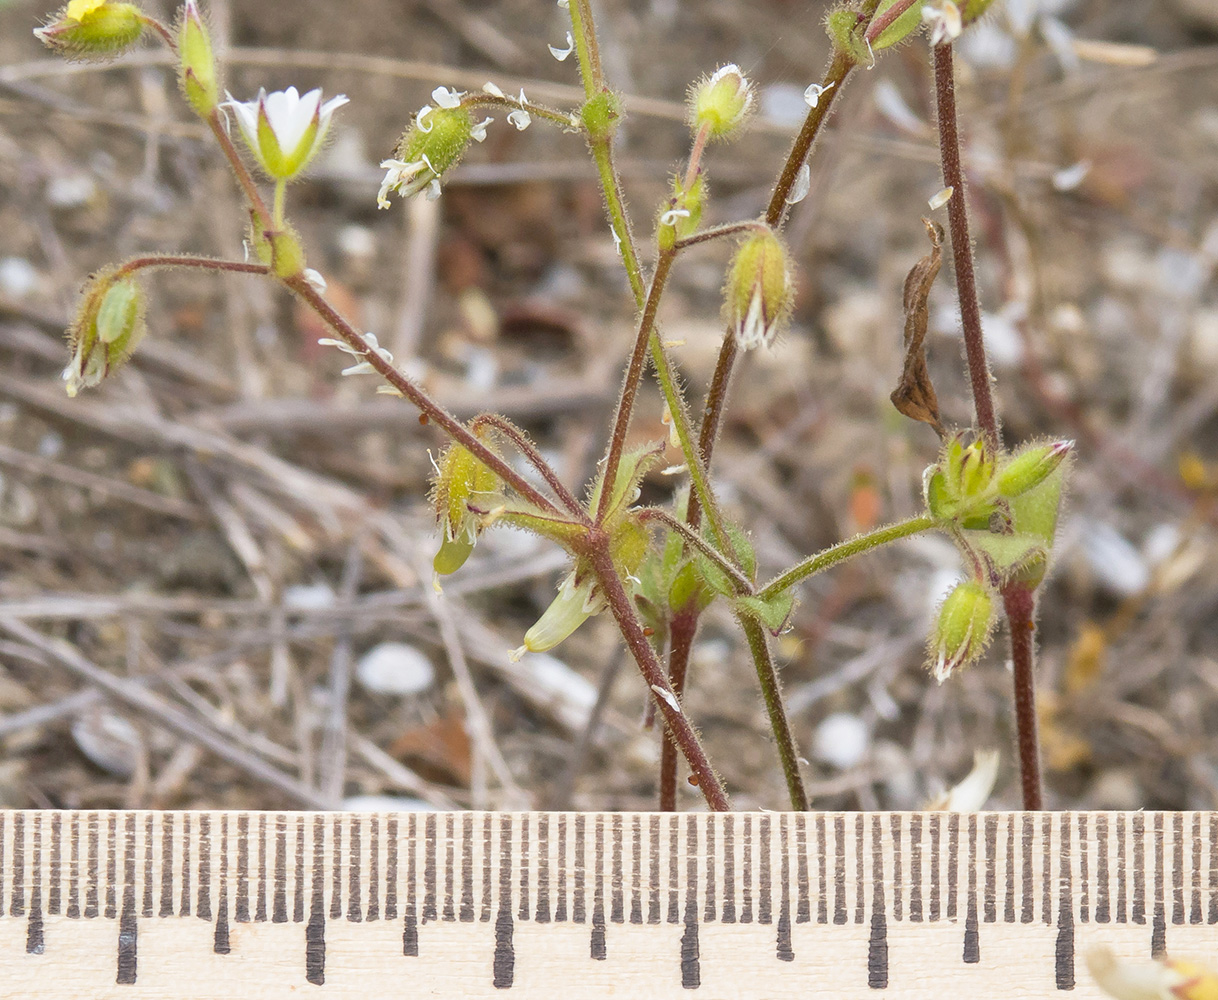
962,247
680,644
583,30
190,260
262,216
843,551
1019,601
634,376
1020,605
679,727
771,691
434,411
162,30
534,458
743,584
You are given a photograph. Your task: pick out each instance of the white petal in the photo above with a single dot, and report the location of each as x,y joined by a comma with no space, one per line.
814,93
478,132
315,280
941,198
446,98
668,696
561,54
670,217
802,185
521,119
492,89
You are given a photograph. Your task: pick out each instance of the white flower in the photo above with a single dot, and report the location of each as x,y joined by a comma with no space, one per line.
561,54
970,794
408,179
814,93
446,98
421,119
670,217
944,19
284,130
315,279
493,89
520,118
363,367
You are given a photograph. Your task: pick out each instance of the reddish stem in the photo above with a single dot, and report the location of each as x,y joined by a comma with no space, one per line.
680,644
679,727
962,247
1020,605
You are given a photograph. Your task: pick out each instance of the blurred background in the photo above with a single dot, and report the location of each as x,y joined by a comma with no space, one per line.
235,542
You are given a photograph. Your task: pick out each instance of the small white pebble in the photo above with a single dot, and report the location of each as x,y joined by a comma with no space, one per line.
395,668
841,740
18,277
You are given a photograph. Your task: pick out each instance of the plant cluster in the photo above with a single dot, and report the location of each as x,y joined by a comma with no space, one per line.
654,569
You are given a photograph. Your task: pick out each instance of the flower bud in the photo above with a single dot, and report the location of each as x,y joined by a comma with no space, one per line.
958,487
759,291
92,29
426,152
578,600
196,63
962,631
721,102
108,327
460,477
284,130
681,215
1031,467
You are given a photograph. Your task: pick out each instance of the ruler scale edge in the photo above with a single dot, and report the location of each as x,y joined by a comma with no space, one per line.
476,888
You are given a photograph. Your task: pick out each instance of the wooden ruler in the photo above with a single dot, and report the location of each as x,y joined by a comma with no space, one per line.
251,906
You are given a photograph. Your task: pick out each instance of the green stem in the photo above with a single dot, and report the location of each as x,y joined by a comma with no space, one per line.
843,551
552,115
698,477
619,219
281,191
771,691
583,30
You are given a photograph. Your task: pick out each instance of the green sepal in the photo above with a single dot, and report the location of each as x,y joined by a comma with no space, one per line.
633,467
900,29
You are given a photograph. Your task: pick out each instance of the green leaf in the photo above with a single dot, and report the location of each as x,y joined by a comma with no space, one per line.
1005,553
773,614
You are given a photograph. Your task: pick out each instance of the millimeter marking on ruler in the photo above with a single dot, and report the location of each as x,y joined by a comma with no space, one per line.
478,904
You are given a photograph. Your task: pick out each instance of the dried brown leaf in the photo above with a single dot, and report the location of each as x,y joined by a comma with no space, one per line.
914,395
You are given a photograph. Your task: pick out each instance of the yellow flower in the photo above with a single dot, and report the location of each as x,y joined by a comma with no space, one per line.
78,10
